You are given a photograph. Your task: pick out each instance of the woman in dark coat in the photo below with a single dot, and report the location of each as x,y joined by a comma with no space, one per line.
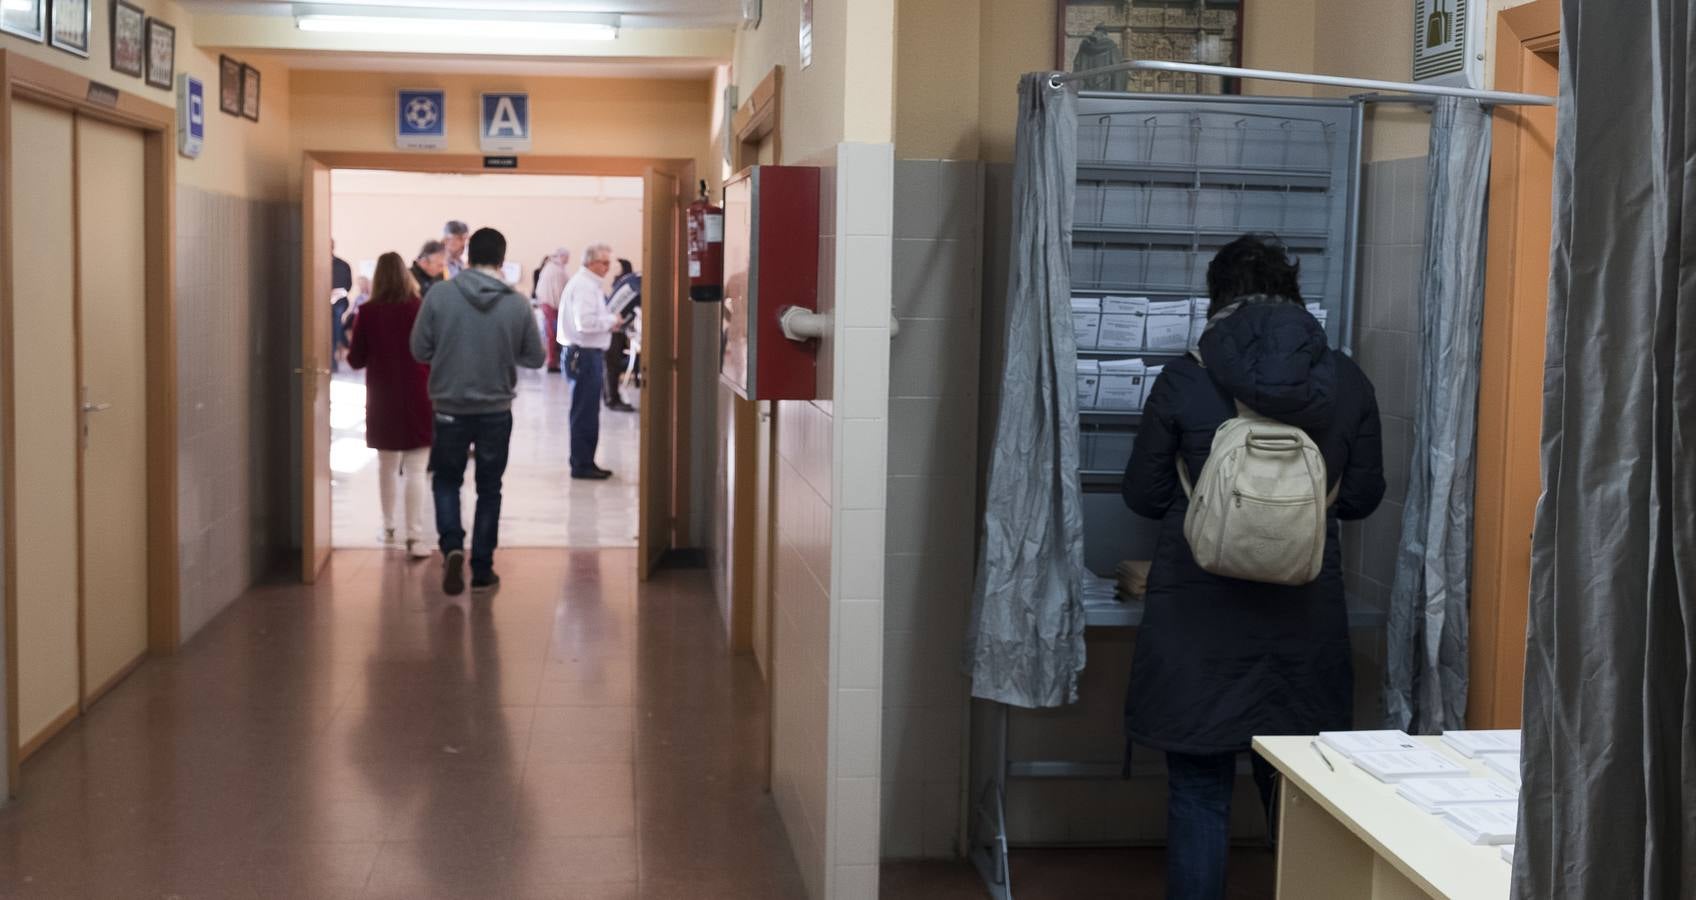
1219,660
399,420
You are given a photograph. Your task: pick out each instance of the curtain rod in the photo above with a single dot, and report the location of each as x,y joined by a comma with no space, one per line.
1502,98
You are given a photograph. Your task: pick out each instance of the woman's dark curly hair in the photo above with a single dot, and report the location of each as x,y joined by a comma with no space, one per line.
1252,264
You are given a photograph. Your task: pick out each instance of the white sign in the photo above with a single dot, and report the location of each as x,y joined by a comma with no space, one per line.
421,121
191,116
505,122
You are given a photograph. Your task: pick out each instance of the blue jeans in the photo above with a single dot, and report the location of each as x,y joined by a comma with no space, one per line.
456,435
587,370
1198,820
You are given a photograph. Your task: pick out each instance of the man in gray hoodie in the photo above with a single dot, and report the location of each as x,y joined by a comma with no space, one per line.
474,331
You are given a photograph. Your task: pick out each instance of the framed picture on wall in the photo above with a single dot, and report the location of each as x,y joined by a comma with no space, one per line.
1090,34
129,38
161,54
229,85
70,23
249,92
24,18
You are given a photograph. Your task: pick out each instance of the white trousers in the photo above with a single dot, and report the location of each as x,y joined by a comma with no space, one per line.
410,466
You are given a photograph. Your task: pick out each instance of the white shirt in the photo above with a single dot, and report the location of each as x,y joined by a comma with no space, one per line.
583,317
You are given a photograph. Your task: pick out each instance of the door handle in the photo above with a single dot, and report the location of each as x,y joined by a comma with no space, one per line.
312,371
95,407
86,408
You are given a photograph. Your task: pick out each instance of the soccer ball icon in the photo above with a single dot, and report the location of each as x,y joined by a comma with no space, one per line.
421,113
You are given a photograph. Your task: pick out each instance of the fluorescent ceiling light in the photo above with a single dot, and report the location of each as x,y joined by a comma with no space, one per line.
423,21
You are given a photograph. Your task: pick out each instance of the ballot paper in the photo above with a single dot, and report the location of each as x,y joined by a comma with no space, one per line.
1089,381
1149,376
1392,766
1484,823
1121,385
1507,853
1503,764
1472,743
1168,326
1198,320
1123,322
1348,743
1436,794
1086,321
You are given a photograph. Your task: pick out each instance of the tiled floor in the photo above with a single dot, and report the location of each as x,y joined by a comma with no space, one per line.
576,736
540,507
1128,874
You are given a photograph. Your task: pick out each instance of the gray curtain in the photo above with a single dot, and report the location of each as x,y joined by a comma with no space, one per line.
1425,671
1608,806
1025,641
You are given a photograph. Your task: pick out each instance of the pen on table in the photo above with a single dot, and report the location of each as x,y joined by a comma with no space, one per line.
1323,758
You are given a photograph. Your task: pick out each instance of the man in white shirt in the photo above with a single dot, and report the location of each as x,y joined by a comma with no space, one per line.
454,235
585,330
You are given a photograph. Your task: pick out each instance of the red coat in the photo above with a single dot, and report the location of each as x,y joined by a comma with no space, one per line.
398,415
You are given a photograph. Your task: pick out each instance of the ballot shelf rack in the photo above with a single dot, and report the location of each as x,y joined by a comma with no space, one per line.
1163,181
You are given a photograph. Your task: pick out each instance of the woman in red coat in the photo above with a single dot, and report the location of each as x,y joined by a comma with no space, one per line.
397,399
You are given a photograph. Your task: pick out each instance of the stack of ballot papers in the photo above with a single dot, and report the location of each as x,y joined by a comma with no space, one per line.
1507,852
1484,823
1434,795
1503,764
1086,321
1348,743
1472,744
1392,766
1123,320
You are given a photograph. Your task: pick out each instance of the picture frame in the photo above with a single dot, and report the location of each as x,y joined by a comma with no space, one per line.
129,38
25,18
249,92
161,54
1092,33
229,85
70,24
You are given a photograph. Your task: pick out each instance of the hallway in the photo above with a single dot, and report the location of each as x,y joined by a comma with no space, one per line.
579,735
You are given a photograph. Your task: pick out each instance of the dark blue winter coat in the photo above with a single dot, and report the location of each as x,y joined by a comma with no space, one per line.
1218,660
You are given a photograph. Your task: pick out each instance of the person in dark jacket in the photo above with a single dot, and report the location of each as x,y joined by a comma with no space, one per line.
341,289
429,268
1218,660
618,355
397,398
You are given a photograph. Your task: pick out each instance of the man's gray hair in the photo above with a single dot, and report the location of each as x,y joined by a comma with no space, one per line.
456,227
597,253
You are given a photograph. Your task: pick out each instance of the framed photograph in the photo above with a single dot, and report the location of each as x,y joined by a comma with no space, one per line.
161,54
229,85
25,18
69,24
1095,33
129,38
249,92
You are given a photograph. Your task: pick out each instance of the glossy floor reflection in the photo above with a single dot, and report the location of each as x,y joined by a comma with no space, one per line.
541,506
576,736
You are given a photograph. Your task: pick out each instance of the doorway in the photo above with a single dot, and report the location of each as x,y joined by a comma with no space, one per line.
89,425
659,475
378,211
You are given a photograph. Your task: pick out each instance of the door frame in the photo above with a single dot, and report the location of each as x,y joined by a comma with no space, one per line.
314,251
1510,408
38,82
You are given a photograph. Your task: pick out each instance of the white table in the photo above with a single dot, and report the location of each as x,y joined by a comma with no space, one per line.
1345,834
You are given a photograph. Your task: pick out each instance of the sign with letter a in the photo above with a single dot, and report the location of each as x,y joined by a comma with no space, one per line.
505,122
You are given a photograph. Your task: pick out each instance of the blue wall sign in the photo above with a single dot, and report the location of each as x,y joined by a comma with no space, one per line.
505,122
191,116
421,121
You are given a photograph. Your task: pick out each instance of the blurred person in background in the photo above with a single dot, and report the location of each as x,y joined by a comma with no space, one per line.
626,299
551,279
454,235
429,268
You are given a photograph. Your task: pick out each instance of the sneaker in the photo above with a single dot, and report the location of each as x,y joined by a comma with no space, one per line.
485,584
386,537
621,406
417,549
453,573
592,475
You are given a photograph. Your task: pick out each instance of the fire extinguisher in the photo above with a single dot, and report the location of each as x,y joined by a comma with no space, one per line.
706,249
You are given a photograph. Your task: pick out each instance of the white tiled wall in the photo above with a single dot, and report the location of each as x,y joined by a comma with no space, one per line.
932,489
828,564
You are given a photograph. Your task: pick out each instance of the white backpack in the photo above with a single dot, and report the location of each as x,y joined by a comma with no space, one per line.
1258,510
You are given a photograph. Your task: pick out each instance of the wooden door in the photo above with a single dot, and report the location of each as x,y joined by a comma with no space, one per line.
112,241
661,300
1510,407
313,373
44,402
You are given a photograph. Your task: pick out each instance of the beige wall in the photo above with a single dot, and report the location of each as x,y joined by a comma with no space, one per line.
241,158
937,55
399,211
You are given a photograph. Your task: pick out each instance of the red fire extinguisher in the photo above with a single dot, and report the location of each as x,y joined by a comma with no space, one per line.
706,249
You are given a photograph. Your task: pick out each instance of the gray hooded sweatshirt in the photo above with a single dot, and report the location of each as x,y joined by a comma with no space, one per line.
473,331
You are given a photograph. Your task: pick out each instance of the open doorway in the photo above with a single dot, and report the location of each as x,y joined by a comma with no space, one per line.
378,211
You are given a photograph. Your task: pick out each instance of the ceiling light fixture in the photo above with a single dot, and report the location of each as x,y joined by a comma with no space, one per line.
428,21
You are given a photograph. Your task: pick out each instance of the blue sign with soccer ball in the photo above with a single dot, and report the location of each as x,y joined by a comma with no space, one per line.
421,121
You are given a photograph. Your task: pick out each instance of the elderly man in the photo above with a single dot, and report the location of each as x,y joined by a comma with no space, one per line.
550,287
454,236
585,330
